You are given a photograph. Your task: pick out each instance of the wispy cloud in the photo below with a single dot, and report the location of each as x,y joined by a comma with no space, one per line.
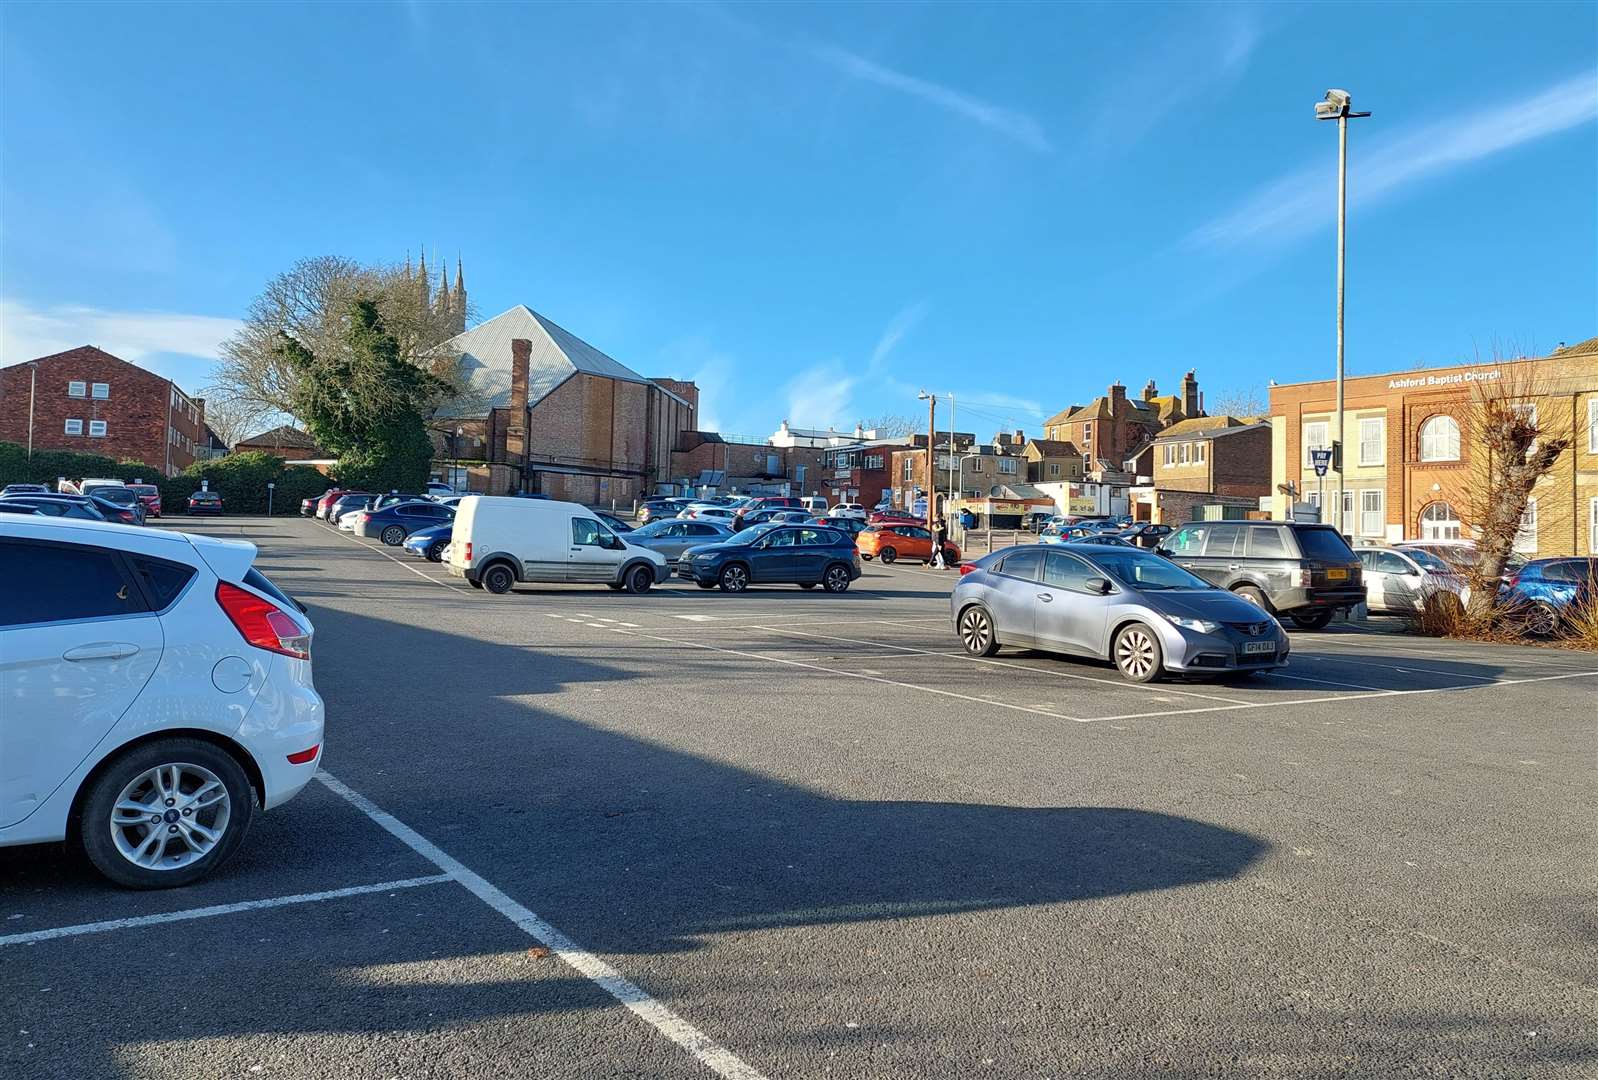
1010,123
1209,49
819,395
900,325
27,332
1304,201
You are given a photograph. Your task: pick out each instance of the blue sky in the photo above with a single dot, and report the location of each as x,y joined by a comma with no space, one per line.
815,210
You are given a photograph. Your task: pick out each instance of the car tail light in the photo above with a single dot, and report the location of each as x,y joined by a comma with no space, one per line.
304,756
1514,580
1304,576
466,552
262,623
966,568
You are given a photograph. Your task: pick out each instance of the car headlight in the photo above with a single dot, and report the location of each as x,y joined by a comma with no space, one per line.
1202,626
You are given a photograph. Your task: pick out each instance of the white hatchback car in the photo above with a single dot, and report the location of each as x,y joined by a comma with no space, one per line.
848,510
155,689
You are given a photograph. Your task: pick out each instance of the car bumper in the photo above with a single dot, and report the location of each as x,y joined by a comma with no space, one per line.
205,509
1191,652
286,718
1300,599
689,570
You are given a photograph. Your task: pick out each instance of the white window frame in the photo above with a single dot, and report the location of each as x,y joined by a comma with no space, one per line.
1379,443
1007,466
101,391
96,429
1183,452
1526,535
1170,453
1440,453
77,388
1528,408
1592,424
1314,441
1448,528
1592,525
73,427
1369,525
1200,452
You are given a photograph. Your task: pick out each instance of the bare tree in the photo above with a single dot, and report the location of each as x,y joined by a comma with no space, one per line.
1238,401
890,426
310,303
233,420
1510,449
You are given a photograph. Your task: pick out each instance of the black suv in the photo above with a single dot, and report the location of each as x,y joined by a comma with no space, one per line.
1301,571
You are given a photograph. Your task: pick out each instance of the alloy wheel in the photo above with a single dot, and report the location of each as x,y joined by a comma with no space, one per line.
170,816
976,632
837,579
734,579
1135,653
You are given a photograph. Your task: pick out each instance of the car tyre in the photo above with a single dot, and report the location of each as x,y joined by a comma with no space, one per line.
638,580
113,838
393,536
1137,654
807,584
976,632
498,579
1315,621
1255,597
706,584
1542,621
888,555
435,551
734,578
836,578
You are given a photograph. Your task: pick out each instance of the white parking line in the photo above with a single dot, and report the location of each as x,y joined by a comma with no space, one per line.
217,909
855,675
1321,682
1407,670
1117,683
717,1058
1347,697
358,542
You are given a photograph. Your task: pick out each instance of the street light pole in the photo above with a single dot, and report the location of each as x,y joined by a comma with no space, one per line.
1336,106
948,502
932,447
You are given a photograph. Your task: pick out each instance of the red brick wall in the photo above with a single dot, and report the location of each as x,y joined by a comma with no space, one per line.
135,412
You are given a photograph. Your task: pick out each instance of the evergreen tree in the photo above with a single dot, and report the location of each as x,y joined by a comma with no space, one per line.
365,402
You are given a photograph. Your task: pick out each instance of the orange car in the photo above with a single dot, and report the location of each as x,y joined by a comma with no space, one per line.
892,542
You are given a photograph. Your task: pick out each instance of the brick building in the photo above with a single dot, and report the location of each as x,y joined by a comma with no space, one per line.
89,401
1218,454
1411,459
288,443
861,471
1113,427
559,416
728,463
969,468
1050,461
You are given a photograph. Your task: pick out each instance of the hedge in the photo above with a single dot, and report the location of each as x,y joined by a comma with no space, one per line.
240,479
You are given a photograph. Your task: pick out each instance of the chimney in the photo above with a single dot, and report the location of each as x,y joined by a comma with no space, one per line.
1149,392
1117,397
199,408
521,351
1020,437
1191,405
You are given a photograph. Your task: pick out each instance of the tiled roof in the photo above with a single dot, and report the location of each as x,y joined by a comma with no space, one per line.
1055,447
282,435
1205,427
1580,348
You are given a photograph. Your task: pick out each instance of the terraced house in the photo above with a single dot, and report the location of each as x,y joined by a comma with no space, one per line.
1409,448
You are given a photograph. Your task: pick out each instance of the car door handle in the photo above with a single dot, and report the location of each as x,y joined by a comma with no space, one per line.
1234,566
1046,597
101,650
577,549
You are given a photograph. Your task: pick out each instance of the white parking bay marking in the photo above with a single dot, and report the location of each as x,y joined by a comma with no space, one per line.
697,618
218,909
716,1057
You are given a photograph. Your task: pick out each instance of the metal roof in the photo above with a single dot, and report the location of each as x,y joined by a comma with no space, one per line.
557,355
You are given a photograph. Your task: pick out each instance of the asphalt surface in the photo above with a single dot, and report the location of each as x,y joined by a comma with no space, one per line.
801,835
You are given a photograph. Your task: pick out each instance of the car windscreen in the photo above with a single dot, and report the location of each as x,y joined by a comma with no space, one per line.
1324,543
750,535
1141,570
1427,561
119,495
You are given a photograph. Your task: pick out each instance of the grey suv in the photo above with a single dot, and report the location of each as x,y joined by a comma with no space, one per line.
1303,572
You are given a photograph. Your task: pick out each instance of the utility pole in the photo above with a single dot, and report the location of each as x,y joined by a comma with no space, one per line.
33,382
1337,105
949,502
932,459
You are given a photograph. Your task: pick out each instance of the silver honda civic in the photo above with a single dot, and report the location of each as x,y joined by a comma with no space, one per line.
1136,609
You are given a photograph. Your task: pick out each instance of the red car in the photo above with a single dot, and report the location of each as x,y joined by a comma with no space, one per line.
325,503
150,496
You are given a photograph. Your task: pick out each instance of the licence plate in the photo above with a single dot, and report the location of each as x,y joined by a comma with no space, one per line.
1337,575
1259,646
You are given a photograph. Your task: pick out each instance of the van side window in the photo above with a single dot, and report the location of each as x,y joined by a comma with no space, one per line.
586,531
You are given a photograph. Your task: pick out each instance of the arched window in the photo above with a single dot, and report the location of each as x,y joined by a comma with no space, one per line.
1439,522
1439,439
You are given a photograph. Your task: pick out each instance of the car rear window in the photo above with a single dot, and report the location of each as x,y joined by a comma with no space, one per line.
162,580
1324,543
261,583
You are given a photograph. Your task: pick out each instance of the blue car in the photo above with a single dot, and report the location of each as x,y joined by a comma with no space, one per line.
1547,591
393,523
802,555
429,543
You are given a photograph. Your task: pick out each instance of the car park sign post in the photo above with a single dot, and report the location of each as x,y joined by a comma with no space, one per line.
1322,460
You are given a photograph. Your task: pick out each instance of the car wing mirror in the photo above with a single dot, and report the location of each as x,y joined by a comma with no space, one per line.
1099,585
1161,549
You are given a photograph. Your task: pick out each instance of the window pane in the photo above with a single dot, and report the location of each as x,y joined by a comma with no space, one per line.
163,580
1023,564
585,531
1266,543
57,582
1324,543
1066,572
1224,540
1189,541
1388,563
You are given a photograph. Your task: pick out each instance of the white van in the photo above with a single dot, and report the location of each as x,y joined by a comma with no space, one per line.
497,541
814,505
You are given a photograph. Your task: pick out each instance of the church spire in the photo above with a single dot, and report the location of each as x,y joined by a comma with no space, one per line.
422,283
441,299
457,302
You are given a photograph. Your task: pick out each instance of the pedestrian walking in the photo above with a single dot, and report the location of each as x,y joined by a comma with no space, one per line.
738,520
940,537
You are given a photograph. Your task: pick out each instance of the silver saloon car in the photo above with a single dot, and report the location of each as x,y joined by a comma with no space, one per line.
672,536
1143,613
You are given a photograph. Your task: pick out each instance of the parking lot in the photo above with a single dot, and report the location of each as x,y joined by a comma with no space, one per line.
570,832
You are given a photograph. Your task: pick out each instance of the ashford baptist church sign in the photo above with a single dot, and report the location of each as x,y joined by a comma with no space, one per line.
1445,378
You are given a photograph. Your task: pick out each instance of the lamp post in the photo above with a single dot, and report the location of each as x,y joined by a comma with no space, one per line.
932,443
952,451
1337,105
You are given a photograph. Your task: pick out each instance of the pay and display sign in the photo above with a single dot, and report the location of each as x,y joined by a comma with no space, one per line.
1321,459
